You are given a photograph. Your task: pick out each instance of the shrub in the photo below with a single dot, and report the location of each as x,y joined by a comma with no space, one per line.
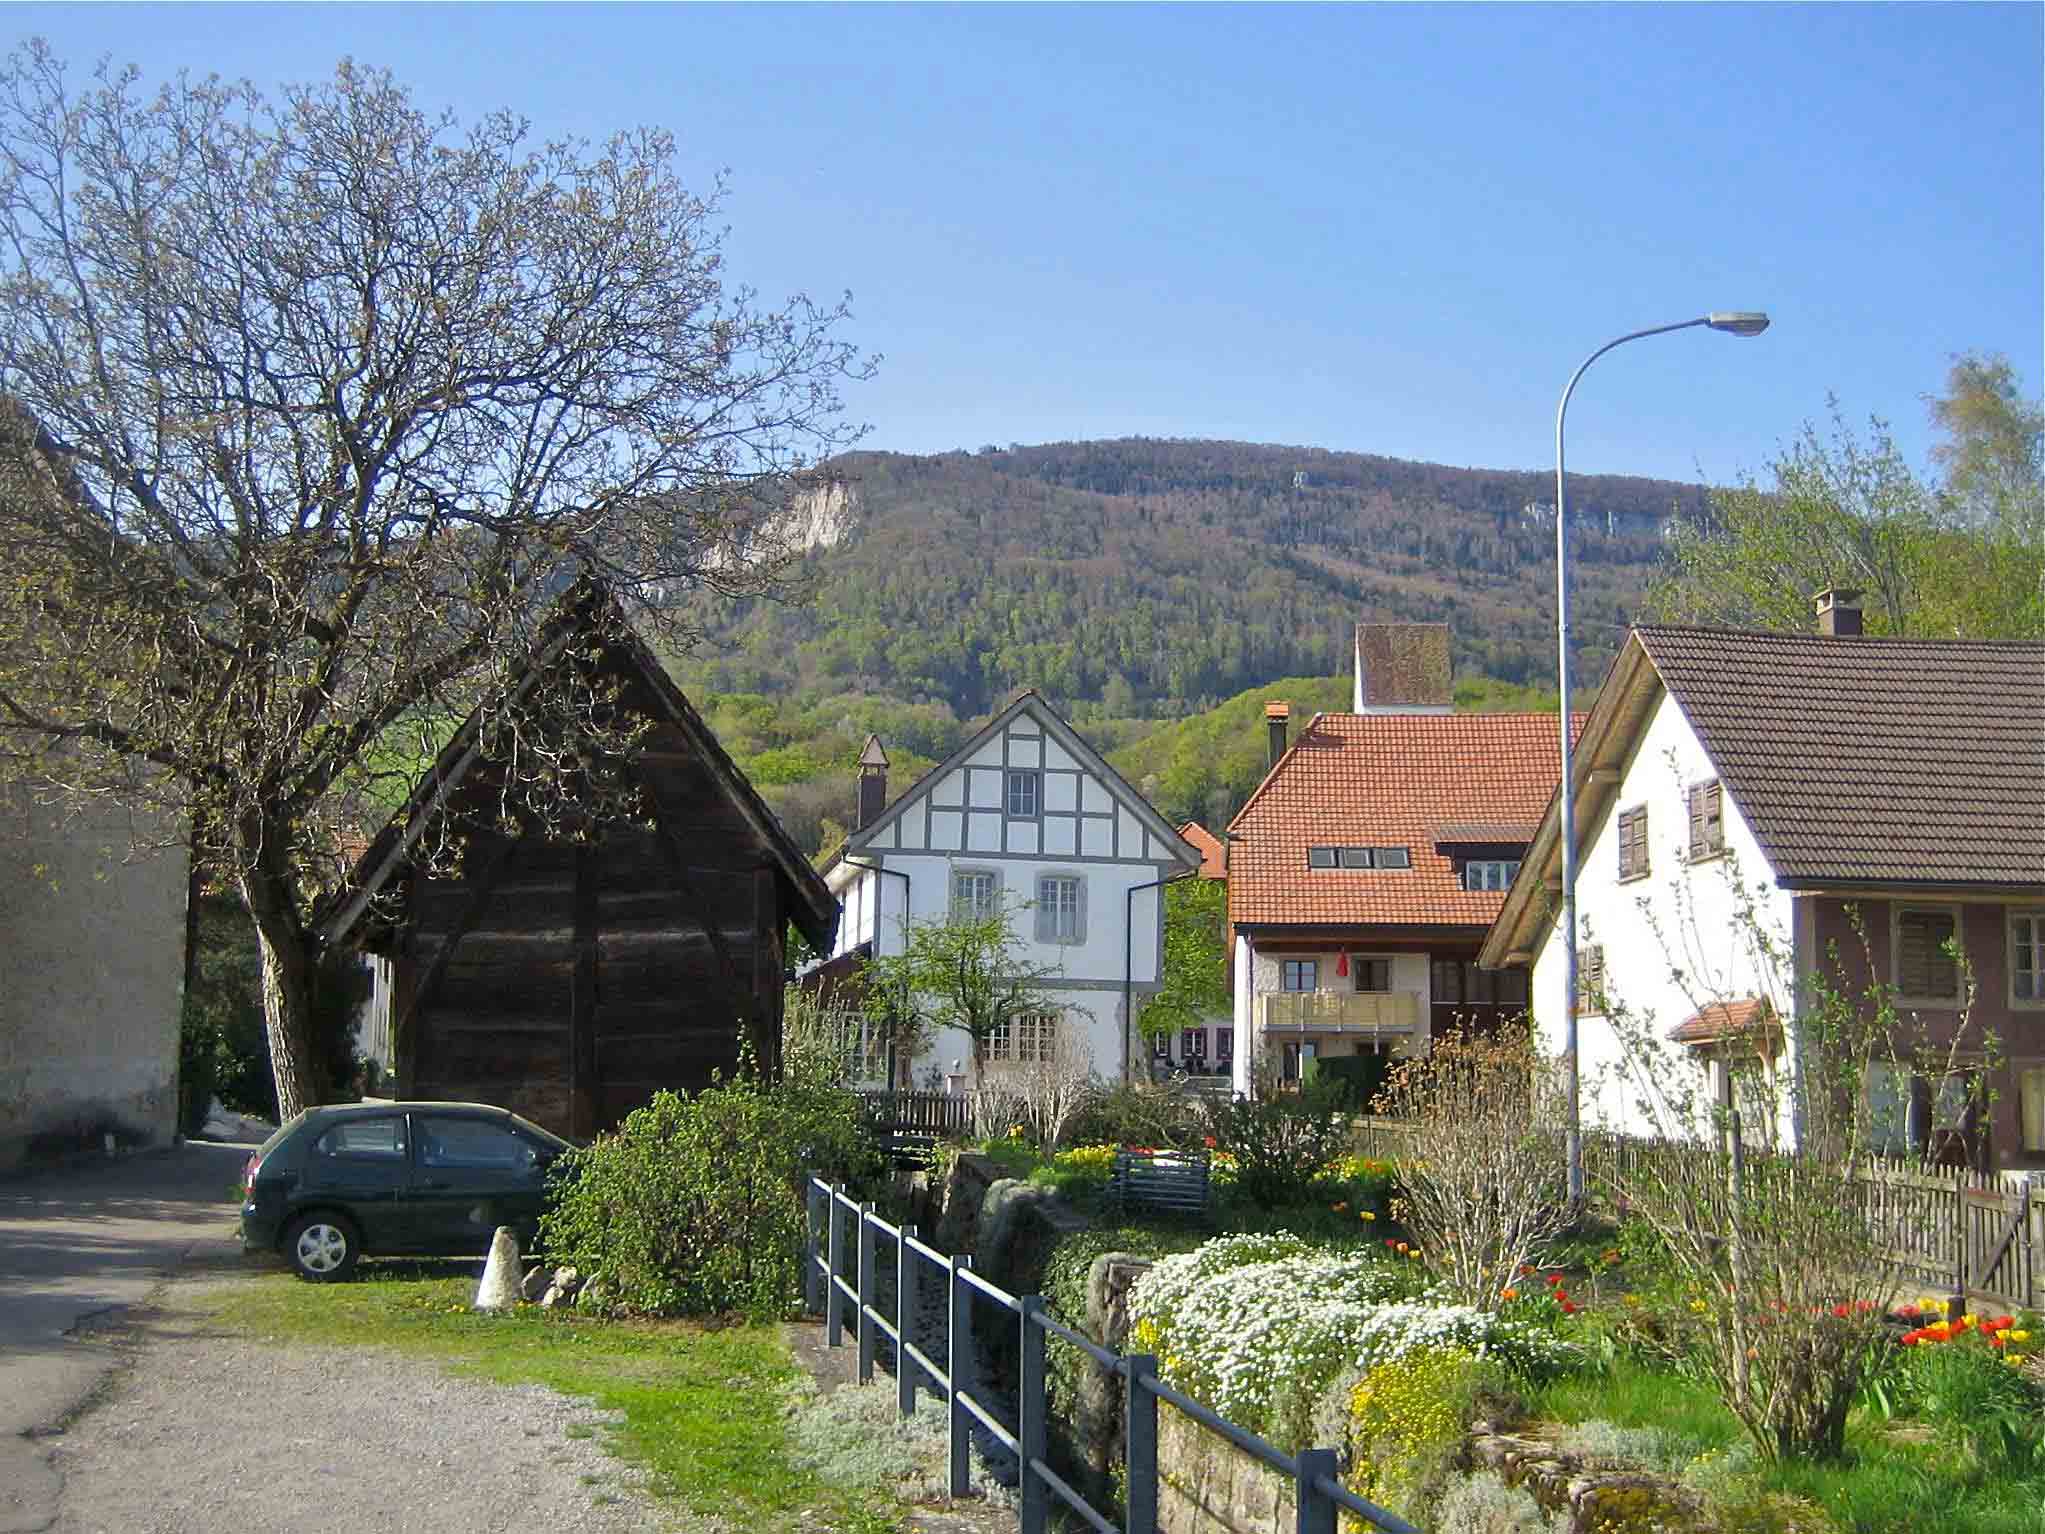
1081,1172
1487,1189
694,1206
1258,1327
1966,1388
1483,1504
1139,1113
1407,1417
1281,1140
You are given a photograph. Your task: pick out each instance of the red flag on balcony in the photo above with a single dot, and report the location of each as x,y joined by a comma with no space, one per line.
1342,963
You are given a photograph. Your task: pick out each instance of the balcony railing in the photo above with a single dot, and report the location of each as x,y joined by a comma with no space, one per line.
1325,1012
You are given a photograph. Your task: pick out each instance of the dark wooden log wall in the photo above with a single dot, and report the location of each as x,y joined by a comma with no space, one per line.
570,981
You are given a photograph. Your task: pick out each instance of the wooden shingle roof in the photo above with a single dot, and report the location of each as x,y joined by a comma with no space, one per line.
1871,761
1387,780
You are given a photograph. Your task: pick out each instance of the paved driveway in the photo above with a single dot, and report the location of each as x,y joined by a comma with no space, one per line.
76,1244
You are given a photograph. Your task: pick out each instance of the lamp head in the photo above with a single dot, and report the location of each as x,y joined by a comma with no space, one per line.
1737,322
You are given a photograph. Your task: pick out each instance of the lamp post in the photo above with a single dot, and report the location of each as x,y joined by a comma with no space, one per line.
1736,323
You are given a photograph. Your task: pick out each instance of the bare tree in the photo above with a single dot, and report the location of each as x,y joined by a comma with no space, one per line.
1484,1191
1050,1089
318,400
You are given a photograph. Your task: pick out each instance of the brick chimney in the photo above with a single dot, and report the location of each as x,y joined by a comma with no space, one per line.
1277,716
1838,612
873,783
1402,668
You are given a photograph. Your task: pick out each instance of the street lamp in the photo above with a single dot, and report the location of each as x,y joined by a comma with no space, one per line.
1734,322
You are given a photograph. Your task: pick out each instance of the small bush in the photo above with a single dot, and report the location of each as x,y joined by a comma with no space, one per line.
695,1206
1282,1141
1407,1417
1139,1113
1483,1504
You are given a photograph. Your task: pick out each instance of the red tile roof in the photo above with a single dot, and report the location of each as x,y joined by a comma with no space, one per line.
1213,852
1750,1017
1386,781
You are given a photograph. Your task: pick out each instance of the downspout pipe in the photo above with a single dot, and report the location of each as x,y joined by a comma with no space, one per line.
907,907
1129,954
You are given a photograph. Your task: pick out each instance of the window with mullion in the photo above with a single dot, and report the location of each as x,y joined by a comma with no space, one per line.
1299,975
1060,909
2027,956
975,893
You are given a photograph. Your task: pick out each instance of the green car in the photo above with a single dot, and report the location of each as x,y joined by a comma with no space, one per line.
394,1179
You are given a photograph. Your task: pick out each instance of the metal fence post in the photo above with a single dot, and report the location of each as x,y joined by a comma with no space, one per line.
834,1313
1316,1508
1032,1410
905,1310
1140,1425
812,1249
959,1365
869,1334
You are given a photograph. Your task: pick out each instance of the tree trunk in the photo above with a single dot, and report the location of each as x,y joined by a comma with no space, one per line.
287,989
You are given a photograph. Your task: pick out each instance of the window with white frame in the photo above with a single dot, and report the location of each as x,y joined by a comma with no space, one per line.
1025,794
1061,909
1225,1043
1029,1038
2027,956
1373,975
1490,873
1926,967
1192,1044
975,892
1299,975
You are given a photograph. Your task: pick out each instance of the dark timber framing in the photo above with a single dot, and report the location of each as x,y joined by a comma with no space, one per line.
571,979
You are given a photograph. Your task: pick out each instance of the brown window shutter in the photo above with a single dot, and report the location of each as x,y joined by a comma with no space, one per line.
1696,820
1633,842
1923,967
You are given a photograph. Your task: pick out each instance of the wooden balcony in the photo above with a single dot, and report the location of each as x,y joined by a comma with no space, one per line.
1369,1013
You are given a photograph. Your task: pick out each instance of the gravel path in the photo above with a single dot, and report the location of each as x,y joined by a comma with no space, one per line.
204,1433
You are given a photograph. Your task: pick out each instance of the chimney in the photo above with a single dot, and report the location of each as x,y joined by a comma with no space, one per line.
1276,717
1839,612
873,783
1402,668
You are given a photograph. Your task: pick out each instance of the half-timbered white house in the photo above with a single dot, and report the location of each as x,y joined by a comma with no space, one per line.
1025,817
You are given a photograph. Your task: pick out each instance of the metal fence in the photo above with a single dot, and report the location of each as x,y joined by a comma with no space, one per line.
842,1232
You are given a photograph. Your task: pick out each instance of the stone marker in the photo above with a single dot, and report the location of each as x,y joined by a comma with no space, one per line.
500,1288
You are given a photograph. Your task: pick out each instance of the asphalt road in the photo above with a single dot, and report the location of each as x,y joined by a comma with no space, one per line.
76,1246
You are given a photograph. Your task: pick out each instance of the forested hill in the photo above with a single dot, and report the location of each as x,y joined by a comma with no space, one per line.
1154,577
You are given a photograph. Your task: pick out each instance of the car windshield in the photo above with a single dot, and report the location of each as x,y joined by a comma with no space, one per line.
544,1136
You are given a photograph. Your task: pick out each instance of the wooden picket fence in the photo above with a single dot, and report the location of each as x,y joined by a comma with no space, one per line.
1956,1231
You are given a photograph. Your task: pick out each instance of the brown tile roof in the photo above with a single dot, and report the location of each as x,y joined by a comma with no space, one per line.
1748,1017
1386,781
1213,851
1404,665
1872,760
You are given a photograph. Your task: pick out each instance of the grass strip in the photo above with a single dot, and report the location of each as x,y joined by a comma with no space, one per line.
702,1407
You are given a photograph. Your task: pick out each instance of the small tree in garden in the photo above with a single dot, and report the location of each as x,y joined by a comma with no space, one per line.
1281,1139
1486,1189
965,972
1789,1255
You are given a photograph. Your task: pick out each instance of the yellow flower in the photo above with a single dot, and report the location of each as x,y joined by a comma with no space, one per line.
1699,1306
1414,1253
1370,1214
2019,1335
1632,1299
2014,1360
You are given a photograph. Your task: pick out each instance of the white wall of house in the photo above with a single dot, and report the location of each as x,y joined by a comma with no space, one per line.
1682,936
1086,827
91,979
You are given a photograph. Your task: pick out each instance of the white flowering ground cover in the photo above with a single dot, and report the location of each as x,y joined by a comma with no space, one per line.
1260,1328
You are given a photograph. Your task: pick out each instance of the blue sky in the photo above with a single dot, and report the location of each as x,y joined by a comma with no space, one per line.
1388,229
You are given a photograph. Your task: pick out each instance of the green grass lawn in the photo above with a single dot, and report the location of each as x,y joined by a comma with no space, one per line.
1891,1483
703,1408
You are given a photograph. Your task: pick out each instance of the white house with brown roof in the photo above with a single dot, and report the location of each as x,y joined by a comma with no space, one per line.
1024,817
1759,814
1369,864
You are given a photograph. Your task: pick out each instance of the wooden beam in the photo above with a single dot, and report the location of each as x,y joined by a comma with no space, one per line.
426,983
694,914
766,974
582,1082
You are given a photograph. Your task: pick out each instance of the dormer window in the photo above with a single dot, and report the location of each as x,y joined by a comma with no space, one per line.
1490,873
1353,858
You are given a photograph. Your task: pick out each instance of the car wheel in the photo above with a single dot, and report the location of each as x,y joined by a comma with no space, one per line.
322,1247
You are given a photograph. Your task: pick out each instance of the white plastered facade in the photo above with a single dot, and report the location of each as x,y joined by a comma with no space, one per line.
1684,935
